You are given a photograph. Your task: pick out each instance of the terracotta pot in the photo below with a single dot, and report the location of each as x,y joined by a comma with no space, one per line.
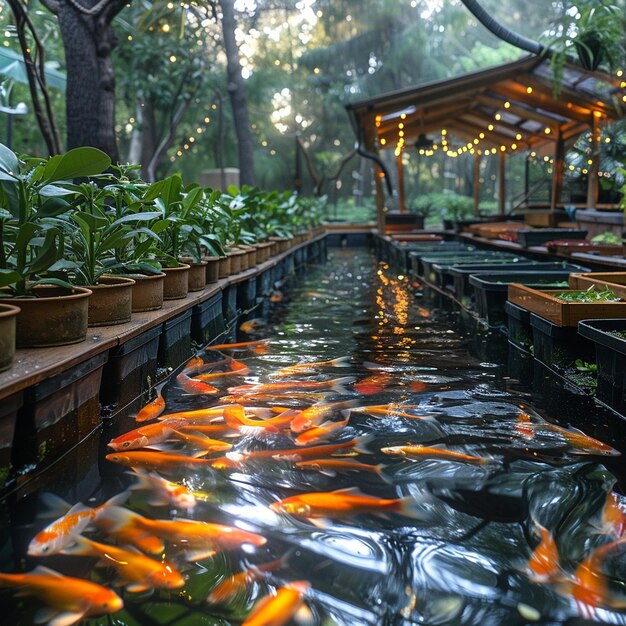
111,301
212,269
176,283
224,266
8,314
251,255
245,262
263,249
282,244
197,276
236,256
147,292
56,317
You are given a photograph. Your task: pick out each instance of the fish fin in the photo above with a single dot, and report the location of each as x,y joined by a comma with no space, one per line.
338,384
328,472
137,587
321,522
79,507
55,505
362,442
119,517
160,447
142,480
368,365
117,500
42,570
45,614
352,491
380,470
304,616
201,454
66,619
78,546
199,555
410,507
342,361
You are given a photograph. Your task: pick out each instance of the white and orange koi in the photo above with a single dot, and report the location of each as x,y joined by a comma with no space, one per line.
278,608
164,492
336,385
311,368
321,433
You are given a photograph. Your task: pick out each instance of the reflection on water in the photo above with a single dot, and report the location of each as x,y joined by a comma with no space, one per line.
460,502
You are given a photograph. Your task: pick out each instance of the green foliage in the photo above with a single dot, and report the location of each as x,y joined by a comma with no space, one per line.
583,366
447,205
590,295
608,238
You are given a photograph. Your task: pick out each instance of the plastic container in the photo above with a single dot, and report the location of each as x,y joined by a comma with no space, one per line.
434,267
520,333
414,252
610,359
539,236
559,347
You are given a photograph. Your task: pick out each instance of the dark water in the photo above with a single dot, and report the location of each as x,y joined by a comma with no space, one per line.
462,555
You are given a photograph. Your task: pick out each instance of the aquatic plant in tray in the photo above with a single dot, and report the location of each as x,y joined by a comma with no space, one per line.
590,295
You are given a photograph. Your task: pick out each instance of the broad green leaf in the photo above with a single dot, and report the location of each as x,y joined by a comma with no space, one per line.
48,253
8,277
54,190
137,217
84,161
52,207
8,160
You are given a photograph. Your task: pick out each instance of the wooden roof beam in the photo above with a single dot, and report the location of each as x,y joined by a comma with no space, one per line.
432,117
497,138
483,117
497,102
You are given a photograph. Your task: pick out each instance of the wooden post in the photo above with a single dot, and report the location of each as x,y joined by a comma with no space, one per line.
592,177
477,183
369,140
400,167
501,182
557,170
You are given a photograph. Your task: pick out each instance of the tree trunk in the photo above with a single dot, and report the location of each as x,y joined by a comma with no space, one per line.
88,40
237,93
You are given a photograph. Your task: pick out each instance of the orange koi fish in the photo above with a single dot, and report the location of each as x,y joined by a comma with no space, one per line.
233,585
155,460
277,609
130,536
311,368
331,467
209,430
194,364
252,325
344,503
392,410
193,386
201,441
152,409
320,433
418,386
314,415
240,345
235,418
276,296
164,492
584,444
214,411
335,384
434,452
147,435
543,564
59,534
199,539
70,599
373,384
613,516
264,397
524,426
137,572
241,371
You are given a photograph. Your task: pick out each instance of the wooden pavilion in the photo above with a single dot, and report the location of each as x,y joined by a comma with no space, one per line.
500,110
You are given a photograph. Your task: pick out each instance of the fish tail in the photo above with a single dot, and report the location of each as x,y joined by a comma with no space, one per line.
338,384
380,470
119,517
117,500
362,442
410,507
79,546
342,361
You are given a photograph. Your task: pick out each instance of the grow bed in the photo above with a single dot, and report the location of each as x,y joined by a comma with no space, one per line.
539,236
615,281
429,262
519,332
444,277
564,246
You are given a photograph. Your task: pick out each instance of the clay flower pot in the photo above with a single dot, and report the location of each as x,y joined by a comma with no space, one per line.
251,255
176,284
236,257
8,315
212,269
111,301
197,275
147,292
55,317
224,267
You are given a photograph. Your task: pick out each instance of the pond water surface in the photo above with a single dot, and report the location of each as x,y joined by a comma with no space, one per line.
474,506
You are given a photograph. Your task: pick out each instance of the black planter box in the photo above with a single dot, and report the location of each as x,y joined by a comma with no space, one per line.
402,222
400,253
433,266
175,342
491,288
610,359
246,294
520,333
539,236
229,303
207,320
559,347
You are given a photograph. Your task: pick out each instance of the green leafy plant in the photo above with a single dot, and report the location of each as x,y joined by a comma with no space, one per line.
608,238
583,366
590,295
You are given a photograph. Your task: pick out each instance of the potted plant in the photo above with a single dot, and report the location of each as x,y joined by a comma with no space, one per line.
8,315
211,245
31,190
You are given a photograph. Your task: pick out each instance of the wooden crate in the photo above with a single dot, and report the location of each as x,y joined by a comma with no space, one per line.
544,304
615,281
568,247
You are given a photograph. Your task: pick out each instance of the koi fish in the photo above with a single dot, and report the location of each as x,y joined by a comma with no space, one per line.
584,444
276,296
137,571
418,386
388,410
278,608
146,435
331,467
201,441
193,386
130,536
264,397
319,433
524,426
233,585
164,492
313,415
242,371
344,503
240,345
57,535
373,384
153,409
252,325
214,411
152,459
335,384
69,599
193,364
311,368
543,564
235,418
613,517
199,539
434,452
